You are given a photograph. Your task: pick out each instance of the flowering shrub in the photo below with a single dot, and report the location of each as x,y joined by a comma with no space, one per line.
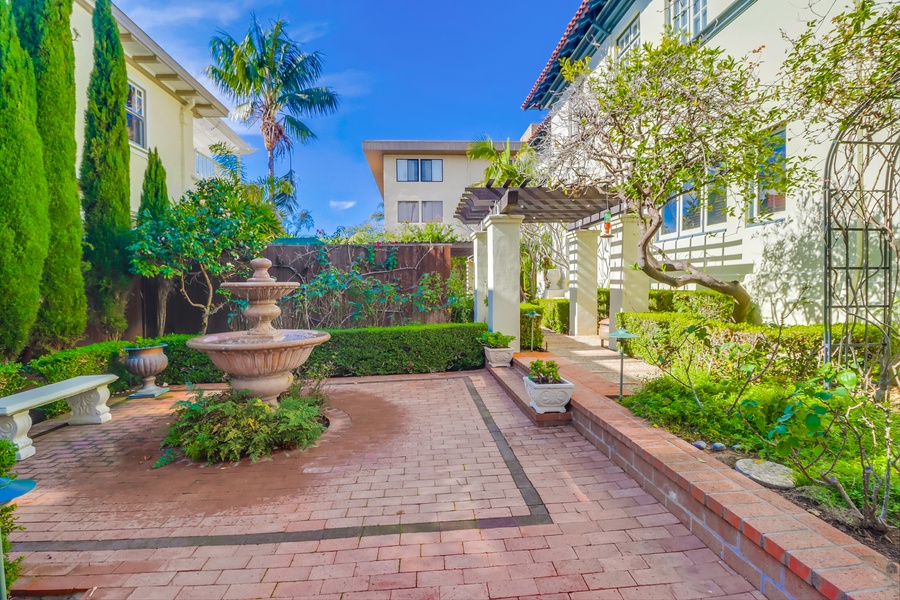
210,234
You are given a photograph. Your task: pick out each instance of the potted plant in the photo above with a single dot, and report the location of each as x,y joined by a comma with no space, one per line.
547,390
497,352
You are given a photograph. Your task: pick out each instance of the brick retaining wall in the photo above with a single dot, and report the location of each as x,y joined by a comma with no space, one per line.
776,545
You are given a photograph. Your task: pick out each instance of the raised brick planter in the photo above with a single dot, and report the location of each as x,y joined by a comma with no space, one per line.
510,379
774,544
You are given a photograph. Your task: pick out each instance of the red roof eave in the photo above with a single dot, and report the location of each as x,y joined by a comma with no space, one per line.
555,56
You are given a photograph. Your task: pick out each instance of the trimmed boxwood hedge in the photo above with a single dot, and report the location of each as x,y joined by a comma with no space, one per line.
707,303
556,314
404,349
370,351
799,354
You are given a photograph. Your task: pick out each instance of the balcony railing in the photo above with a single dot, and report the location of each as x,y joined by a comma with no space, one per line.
204,166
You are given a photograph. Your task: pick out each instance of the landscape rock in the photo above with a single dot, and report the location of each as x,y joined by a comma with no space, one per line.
718,447
772,475
699,444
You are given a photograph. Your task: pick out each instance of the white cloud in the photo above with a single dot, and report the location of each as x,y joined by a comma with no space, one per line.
342,204
351,83
179,14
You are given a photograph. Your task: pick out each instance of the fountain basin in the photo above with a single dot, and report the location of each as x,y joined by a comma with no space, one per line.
261,367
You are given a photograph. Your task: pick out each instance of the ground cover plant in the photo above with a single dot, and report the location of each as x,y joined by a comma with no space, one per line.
761,388
229,426
495,339
7,516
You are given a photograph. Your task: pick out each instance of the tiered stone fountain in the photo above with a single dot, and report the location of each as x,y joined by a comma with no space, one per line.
260,360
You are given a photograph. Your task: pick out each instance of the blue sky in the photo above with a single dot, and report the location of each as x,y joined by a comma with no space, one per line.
405,70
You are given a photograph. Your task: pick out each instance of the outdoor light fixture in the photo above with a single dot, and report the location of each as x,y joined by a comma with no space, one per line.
532,315
621,334
607,225
10,489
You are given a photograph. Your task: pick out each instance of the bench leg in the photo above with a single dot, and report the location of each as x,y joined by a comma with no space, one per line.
89,408
15,429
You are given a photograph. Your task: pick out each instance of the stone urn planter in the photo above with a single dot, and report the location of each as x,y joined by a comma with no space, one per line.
498,357
497,352
147,363
547,391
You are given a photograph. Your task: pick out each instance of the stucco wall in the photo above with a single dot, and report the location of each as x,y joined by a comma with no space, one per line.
169,126
459,173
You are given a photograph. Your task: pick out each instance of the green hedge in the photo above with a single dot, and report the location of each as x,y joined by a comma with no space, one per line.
526,342
11,379
707,303
556,314
798,355
406,349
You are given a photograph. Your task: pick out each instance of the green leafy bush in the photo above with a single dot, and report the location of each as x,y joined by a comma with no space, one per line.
7,517
11,379
230,426
556,314
495,339
602,303
531,335
185,365
544,372
95,359
404,349
798,354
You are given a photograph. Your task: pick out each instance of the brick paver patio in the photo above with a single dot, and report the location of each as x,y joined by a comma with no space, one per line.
426,487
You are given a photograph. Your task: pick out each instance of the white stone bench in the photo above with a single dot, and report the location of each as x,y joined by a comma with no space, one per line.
86,396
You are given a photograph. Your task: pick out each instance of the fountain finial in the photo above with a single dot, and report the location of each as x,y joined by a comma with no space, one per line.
261,269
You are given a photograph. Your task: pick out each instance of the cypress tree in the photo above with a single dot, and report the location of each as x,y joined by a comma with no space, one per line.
105,177
154,193
154,205
23,193
45,33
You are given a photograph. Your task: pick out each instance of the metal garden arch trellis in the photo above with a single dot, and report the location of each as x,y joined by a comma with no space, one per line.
862,223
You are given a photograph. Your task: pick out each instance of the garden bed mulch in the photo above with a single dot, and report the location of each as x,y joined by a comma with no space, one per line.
887,543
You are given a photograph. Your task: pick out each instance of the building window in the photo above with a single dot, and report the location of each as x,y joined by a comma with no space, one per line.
630,38
685,214
770,197
407,169
134,109
432,212
408,212
687,16
432,169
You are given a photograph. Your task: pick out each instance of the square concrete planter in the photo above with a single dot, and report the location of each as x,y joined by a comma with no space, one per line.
498,357
549,397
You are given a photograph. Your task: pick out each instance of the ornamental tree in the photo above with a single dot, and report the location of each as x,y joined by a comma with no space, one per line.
155,205
675,118
45,33
105,177
209,235
23,194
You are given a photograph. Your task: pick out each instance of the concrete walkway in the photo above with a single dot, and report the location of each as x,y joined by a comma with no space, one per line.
425,487
588,353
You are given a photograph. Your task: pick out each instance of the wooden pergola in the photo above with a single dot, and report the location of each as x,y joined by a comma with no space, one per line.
535,204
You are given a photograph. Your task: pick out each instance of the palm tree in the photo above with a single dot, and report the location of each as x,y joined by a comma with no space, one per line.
503,165
273,82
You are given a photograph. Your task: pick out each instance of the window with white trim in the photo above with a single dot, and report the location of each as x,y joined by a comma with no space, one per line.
686,215
687,16
630,38
136,115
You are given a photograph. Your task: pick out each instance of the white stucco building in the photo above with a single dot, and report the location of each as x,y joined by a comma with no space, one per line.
167,107
421,181
776,260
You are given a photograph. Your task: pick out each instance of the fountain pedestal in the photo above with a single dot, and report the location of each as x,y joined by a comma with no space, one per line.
261,359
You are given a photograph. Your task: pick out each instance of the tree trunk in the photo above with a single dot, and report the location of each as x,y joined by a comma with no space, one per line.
659,269
163,291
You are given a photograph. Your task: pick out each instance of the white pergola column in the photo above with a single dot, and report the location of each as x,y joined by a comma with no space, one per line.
583,249
630,290
503,274
480,240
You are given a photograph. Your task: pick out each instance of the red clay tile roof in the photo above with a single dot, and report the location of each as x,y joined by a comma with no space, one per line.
555,56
